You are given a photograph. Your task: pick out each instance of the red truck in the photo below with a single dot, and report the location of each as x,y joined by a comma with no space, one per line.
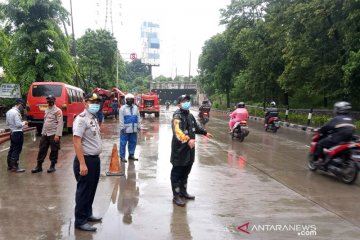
149,103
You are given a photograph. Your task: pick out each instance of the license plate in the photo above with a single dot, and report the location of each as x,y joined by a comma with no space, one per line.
244,127
43,107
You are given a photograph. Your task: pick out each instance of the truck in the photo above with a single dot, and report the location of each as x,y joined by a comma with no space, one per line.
148,103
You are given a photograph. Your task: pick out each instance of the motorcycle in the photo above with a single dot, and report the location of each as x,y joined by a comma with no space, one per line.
240,130
273,124
342,160
167,106
204,118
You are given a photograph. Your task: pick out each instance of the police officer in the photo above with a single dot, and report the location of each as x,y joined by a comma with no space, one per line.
50,135
184,128
88,146
129,117
15,123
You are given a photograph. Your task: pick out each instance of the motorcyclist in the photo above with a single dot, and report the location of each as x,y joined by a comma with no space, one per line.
204,108
272,111
239,114
167,103
339,129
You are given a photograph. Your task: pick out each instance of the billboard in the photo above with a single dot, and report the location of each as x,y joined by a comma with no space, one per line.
150,43
8,90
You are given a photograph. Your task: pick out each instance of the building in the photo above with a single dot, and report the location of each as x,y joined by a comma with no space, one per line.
150,54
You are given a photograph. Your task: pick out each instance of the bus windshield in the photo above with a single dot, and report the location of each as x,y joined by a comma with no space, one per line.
46,90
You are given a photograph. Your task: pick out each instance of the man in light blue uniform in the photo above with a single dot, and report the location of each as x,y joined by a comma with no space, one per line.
129,117
14,122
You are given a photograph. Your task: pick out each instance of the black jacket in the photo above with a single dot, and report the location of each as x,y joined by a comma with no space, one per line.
272,112
184,128
339,129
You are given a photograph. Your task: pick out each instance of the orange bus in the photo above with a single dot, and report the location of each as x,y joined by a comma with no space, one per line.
68,98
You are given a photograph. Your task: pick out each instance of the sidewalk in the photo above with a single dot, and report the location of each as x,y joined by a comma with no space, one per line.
3,125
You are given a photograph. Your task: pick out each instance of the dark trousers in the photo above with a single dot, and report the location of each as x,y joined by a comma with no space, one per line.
45,143
179,176
323,143
86,188
17,140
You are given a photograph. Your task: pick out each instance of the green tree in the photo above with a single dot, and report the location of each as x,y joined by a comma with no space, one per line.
38,50
97,59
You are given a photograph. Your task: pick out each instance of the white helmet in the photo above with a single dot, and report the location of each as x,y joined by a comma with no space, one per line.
115,99
129,95
273,104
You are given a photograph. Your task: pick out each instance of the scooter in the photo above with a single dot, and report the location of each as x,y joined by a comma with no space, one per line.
342,160
204,119
273,124
167,106
240,130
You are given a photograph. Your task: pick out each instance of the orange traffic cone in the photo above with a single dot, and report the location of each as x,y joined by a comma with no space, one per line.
114,168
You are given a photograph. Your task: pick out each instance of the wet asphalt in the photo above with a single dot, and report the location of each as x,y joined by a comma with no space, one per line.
261,186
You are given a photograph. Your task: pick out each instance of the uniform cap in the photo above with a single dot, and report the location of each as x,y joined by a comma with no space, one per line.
92,97
182,98
50,97
20,100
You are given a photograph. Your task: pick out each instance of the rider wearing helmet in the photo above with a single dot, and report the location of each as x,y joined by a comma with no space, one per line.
204,108
272,111
240,114
339,129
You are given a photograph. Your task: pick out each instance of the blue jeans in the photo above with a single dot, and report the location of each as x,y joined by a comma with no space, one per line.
130,138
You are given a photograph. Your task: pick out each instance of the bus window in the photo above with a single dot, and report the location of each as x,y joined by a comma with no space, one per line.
46,90
69,95
79,96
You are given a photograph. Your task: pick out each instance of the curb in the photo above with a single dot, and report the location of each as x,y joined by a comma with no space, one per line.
286,124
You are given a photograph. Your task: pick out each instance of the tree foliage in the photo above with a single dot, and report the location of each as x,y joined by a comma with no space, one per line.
308,49
38,49
97,59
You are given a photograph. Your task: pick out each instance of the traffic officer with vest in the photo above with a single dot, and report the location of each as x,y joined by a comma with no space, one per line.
88,146
184,128
15,123
129,117
50,135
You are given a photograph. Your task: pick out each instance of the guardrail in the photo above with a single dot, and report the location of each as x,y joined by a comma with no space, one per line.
6,135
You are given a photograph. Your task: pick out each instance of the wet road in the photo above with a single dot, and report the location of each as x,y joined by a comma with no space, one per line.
263,181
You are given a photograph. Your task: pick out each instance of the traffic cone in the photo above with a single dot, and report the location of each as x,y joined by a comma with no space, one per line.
114,168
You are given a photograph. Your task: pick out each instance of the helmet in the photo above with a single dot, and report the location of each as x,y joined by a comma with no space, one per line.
50,98
115,99
129,95
241,105
182,98
273,104
342,107
92,97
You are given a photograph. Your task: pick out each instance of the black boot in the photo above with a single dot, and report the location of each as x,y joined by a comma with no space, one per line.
178,201
15,168
184,193
52,168
131,157
38,168
176,192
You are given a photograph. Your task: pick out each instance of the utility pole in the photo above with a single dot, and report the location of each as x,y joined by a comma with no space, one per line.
117,68
74,44
189,65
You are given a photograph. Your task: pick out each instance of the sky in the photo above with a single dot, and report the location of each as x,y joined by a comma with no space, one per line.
184,27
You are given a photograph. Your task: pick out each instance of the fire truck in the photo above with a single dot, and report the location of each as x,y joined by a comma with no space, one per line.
148,103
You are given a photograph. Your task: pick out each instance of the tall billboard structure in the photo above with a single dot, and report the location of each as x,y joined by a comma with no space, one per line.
150,55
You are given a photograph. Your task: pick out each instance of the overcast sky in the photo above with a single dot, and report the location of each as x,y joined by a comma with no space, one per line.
184,26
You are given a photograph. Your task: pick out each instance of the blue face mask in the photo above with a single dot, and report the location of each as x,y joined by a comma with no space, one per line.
94,108
186,105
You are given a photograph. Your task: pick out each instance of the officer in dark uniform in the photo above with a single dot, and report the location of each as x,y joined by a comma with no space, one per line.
184,128
88,146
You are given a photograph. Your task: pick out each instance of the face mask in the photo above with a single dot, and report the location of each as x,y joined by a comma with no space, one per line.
186,105
94,108
51,103
129,102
